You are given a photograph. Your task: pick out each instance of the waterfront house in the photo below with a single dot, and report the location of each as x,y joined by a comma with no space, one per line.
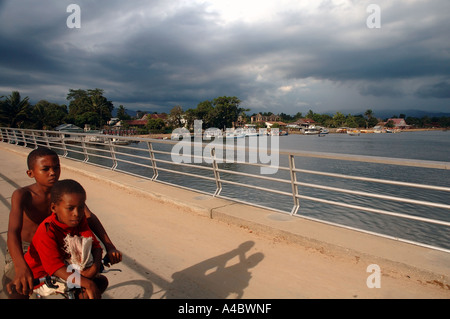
259,118
142,122
399,123
269,124
301,124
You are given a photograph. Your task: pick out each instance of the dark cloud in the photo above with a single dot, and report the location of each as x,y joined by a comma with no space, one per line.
380,90
157,54
439,90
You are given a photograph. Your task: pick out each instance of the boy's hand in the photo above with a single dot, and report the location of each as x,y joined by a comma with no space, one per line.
114,256
90,272
22,283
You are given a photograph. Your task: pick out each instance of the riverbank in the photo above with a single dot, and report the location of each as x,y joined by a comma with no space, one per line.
331,131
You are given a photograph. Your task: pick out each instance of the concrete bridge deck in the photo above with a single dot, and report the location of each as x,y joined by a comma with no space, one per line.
181,244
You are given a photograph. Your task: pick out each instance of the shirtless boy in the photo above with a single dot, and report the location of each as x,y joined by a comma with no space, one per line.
30,205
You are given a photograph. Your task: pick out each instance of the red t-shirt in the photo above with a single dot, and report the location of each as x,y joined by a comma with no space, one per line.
46,253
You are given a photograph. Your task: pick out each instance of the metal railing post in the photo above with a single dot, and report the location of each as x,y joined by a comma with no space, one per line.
15,137
63,142
7,136
293,184
8,133
24,139
113,154
153,160
46,140
34,139
216,172
85,152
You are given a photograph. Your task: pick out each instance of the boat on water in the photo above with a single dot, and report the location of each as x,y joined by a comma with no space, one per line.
251,132
117,141
211,133
94,139
237,133
311,130
378,129
353,132
388,130
323,130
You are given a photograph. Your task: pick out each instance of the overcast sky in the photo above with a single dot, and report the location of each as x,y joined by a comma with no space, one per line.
281,56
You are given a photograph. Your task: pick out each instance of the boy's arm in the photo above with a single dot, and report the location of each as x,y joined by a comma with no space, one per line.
23,280
96,266
91,288
96,226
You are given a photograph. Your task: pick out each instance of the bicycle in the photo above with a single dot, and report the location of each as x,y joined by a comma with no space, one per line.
69,293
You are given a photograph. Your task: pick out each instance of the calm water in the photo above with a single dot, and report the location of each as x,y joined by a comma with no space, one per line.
432,145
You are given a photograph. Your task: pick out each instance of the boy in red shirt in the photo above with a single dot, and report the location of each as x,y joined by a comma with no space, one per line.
48,253
30,205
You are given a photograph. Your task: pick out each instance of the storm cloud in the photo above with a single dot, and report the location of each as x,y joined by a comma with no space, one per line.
280,56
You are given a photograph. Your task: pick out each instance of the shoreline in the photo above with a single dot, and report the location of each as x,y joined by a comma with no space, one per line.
332,131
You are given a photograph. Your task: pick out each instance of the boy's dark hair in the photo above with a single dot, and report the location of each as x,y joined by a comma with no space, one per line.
66,186
37,153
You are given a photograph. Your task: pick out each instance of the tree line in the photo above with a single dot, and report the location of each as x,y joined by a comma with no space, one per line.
93,108
85,107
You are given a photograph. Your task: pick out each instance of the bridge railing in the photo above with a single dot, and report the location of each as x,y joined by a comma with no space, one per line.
205,161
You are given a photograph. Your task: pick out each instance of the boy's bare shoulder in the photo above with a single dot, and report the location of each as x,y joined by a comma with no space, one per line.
23,192
24,189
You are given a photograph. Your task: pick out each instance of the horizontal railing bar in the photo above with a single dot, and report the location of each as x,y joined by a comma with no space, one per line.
372,159
353,192
254,176
185,173
129,155
133,163
134,156
183,164
374,210
181,156
100,156
255,187
375,180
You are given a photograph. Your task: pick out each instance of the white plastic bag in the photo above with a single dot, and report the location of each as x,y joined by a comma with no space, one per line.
79,249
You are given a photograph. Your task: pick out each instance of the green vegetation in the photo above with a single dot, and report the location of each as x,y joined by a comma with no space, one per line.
221,112
88,107
93,108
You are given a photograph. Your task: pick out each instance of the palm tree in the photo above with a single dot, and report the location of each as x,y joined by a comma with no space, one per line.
14,111
369,115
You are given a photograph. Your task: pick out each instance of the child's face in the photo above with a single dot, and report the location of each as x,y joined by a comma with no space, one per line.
46,170
70,209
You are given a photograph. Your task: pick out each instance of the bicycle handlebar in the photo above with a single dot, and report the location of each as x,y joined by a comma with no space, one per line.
51,280
48,280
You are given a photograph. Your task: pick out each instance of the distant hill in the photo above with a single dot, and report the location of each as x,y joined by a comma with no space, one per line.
377,113
131,113
413,113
